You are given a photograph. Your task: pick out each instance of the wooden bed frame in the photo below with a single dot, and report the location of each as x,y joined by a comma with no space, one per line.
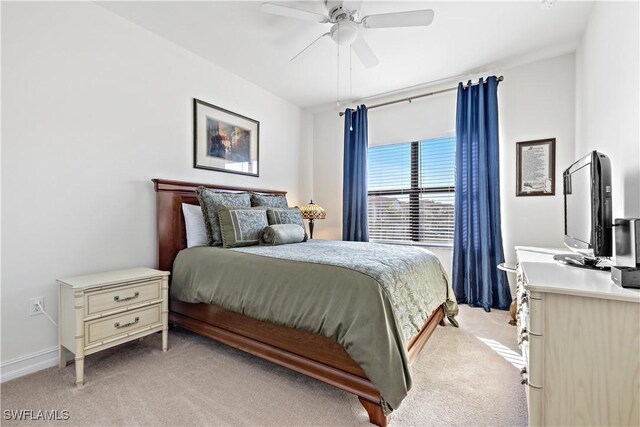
310,354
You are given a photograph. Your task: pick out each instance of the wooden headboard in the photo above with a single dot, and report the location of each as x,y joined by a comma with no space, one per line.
170,195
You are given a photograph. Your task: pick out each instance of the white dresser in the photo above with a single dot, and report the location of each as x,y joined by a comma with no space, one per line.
98,311
580,339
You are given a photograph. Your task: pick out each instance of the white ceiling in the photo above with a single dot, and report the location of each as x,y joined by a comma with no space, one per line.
465,38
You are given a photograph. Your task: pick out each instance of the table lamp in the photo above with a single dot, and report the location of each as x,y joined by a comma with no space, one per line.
312,212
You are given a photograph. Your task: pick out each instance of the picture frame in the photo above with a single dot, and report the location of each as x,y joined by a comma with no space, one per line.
225,141
536,167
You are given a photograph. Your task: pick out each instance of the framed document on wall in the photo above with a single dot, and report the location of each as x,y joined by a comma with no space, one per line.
536,168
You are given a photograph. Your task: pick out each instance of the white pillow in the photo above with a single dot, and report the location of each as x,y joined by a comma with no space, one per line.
194,224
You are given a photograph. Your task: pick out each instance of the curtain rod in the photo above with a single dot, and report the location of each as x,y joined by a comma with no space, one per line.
411,98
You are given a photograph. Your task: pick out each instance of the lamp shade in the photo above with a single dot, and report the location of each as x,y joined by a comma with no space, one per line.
313,211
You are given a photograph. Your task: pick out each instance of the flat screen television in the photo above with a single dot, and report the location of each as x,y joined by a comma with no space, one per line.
587,210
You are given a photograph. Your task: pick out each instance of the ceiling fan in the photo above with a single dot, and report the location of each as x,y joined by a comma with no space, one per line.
347,25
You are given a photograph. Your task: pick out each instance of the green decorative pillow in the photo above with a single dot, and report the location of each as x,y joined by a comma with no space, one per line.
286,216
210,202
241,226
283,234
269,200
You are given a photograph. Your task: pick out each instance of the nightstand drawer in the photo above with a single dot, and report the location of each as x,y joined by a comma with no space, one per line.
123,297
114,327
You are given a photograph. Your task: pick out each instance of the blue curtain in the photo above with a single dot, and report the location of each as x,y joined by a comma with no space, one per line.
477,245
355,224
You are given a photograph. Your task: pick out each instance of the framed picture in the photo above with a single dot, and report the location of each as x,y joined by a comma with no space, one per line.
224,141
536,168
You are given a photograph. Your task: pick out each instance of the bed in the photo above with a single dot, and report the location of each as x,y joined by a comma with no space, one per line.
302,348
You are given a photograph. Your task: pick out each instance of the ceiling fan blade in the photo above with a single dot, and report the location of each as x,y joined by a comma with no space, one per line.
364,52
413,18
292,12
308,46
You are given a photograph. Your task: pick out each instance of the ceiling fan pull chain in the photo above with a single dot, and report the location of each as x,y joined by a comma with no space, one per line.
338,74
350,75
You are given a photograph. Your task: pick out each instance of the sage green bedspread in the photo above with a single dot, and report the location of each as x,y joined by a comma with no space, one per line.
370,298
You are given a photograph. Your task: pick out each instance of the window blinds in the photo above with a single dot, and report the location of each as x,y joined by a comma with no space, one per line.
411,192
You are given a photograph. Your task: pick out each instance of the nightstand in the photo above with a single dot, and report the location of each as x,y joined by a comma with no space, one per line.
99,311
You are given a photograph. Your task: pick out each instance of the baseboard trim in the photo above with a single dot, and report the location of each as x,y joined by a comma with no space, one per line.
28,364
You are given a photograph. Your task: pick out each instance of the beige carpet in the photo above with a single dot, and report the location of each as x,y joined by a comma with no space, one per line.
458,380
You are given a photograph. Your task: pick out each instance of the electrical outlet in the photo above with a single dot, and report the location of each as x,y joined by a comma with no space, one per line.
34,308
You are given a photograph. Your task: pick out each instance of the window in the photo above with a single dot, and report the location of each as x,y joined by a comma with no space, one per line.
411,192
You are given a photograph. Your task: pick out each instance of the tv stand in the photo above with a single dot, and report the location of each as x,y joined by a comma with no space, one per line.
576,260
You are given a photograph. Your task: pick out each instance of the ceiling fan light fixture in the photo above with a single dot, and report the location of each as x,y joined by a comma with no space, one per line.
348,28
344,33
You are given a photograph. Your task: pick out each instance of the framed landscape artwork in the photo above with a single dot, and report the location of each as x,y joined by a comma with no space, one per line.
224,141
536,168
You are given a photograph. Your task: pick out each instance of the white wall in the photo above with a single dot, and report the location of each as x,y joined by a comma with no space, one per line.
94,107
305,162
536,101
327,172
608,100
424,118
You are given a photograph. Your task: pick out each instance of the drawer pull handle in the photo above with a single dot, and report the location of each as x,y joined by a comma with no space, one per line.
117,325
524,380
118,299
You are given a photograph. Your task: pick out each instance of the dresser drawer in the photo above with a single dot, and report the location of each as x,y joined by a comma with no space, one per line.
123,297
110,328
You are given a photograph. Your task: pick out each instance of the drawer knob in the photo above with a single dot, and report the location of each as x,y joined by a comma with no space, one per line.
118,299
117,325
